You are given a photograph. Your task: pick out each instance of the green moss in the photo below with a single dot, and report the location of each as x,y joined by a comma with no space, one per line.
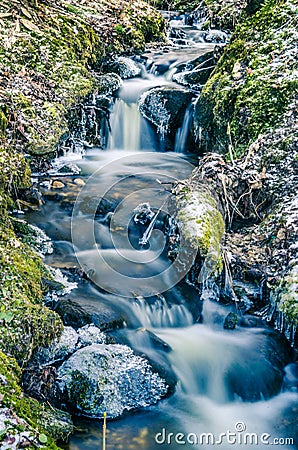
254,82
201,222
21,292
48,63
39,418
288,296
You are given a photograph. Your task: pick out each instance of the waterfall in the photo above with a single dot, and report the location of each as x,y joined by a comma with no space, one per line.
160,314
125,126
183,131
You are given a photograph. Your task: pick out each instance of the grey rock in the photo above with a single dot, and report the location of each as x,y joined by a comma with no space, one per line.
109,378
165,107
126,68
230,321
193,77
78,315
90,334
60,349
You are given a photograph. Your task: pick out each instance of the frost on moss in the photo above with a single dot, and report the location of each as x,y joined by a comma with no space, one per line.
47,50
254,83
25,323
25,417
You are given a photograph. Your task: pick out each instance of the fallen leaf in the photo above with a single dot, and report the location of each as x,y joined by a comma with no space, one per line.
30,26
26,12
2,15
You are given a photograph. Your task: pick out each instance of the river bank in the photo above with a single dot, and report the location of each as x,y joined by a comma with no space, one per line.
50,58
72,78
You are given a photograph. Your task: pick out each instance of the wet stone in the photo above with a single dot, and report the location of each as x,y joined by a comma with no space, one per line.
109,378
77,315
231,321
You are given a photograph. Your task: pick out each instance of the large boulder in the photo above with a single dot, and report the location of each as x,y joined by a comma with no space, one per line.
165,107
109,378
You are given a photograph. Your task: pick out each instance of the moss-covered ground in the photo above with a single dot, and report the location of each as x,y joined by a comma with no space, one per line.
51,55
254,83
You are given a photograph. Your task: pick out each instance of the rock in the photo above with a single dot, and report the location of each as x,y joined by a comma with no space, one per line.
196,76
230,321
79,182
97,205
77,315
165,107
72,314
108,84
142,341
32,196
109,378
90,334
290,382
56,184
200,223
216,36
69,168
125,68
254,378
249,321
59,350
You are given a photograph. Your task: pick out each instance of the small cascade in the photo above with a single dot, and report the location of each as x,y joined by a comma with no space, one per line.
161,314
183,131
125,126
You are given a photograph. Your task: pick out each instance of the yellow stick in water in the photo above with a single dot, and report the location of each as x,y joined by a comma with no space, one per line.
104,428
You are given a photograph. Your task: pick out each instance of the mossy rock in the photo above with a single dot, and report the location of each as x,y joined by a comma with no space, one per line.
201,223
38,418
24,323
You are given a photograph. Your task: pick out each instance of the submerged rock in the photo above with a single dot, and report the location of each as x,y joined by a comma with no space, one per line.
230,321
109,378
253,378
165,107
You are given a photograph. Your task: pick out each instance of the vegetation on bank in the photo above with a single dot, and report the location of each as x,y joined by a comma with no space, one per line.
254,83
51,55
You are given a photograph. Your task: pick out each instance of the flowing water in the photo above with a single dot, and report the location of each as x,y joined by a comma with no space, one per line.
229,385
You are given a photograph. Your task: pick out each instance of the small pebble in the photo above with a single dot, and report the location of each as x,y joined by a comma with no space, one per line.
79,182
57,184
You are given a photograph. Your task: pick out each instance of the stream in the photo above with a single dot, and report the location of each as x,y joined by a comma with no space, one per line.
229,391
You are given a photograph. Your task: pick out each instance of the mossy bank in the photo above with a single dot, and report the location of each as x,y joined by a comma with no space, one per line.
51,56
